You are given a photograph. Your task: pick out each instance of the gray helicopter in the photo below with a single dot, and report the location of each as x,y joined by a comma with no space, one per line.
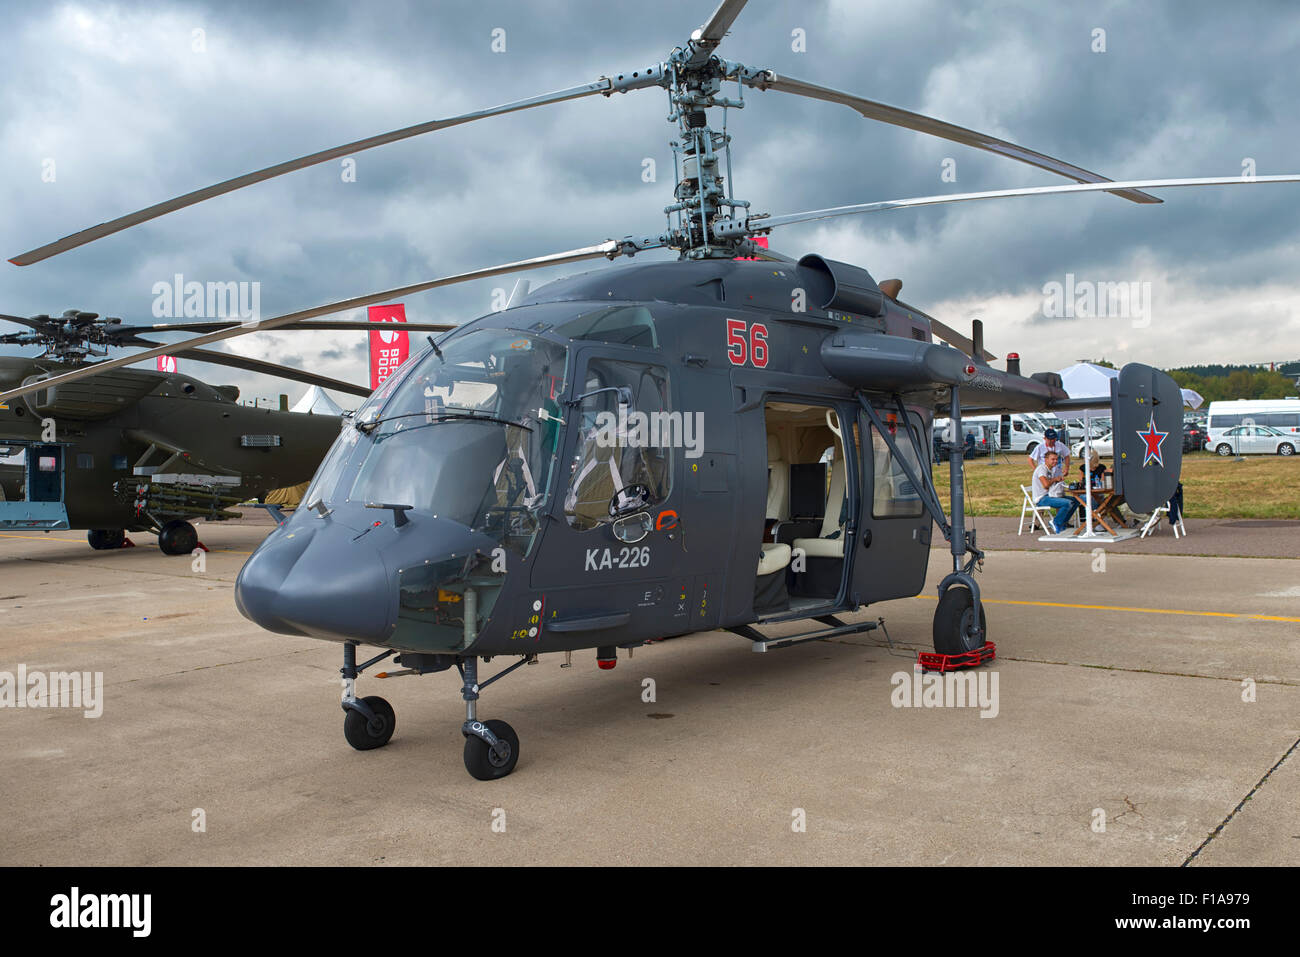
732,440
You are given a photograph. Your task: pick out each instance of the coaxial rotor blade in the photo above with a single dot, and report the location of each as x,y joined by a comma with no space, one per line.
815,214
606,250
716,27
272,369
872,110
39,324
603,85
313,326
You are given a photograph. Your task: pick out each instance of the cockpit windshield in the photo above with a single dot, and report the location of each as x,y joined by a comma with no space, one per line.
469,434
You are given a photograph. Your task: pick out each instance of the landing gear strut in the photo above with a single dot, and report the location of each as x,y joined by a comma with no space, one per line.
491,747
959,620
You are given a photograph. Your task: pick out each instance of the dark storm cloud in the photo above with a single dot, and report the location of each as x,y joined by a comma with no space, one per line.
131,114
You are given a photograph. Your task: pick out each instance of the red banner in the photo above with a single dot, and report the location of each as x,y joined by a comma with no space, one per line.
388,347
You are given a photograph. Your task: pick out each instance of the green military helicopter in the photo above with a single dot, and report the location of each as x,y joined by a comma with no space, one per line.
130,450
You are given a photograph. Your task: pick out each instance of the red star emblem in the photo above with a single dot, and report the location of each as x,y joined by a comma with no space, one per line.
1153,440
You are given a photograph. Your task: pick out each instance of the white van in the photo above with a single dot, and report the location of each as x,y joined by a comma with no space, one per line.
1018,432
1021,432
1280,414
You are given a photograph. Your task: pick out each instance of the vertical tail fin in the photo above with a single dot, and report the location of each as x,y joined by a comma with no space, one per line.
1147,415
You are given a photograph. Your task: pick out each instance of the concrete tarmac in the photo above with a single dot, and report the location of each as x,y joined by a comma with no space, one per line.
1158,695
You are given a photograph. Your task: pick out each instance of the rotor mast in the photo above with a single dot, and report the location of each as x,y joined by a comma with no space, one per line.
694,77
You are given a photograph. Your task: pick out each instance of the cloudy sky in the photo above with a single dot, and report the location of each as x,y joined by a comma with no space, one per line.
133,106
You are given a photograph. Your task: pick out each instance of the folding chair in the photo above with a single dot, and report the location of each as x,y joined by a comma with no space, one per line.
1154,521
1174,509
1037,513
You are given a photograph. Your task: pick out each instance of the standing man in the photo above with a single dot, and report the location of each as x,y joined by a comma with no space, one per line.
1049,491
1050,444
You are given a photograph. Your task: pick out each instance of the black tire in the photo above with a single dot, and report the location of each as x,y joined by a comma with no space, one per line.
102,539
1286,448
481,763
1225,449
178,538
365,735
952,621
1029,449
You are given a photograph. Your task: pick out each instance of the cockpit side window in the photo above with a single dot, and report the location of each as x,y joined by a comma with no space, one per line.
626,325
621,444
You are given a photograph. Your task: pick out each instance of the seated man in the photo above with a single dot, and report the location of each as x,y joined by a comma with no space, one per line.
1048,486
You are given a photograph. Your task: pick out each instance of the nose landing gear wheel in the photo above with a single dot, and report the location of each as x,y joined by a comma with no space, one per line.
366,735
954,619
484,763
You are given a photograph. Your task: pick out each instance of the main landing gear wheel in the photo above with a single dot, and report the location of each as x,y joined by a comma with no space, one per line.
102,539
954,620
365,734
486,764
178,538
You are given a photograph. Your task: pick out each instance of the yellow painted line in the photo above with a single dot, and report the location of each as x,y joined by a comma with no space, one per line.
1143,611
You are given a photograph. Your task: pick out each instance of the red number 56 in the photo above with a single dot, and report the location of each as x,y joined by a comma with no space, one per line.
740,350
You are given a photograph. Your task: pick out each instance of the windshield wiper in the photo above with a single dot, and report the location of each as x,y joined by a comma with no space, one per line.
435,418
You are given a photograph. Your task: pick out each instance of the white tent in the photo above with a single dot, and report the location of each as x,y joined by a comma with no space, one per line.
1193,399
1086,379
317,402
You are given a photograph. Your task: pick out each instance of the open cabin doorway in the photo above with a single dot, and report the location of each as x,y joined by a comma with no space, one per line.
811,498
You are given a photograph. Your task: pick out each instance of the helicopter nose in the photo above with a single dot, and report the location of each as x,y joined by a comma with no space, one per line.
317,582
339,578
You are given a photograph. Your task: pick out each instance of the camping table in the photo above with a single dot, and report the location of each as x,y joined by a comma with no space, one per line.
1105,504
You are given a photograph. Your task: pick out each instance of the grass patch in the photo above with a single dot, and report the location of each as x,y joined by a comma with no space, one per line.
1262,486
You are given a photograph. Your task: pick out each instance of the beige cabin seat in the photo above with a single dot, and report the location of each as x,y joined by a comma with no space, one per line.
775,555
824,547
778,482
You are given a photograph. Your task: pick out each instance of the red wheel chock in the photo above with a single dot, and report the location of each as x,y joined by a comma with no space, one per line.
967,659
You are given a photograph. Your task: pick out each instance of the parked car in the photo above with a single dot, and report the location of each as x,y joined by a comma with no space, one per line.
1255,439
1194,437
1103,446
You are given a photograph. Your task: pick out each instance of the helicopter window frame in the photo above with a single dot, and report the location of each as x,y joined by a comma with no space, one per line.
886,474
651,465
